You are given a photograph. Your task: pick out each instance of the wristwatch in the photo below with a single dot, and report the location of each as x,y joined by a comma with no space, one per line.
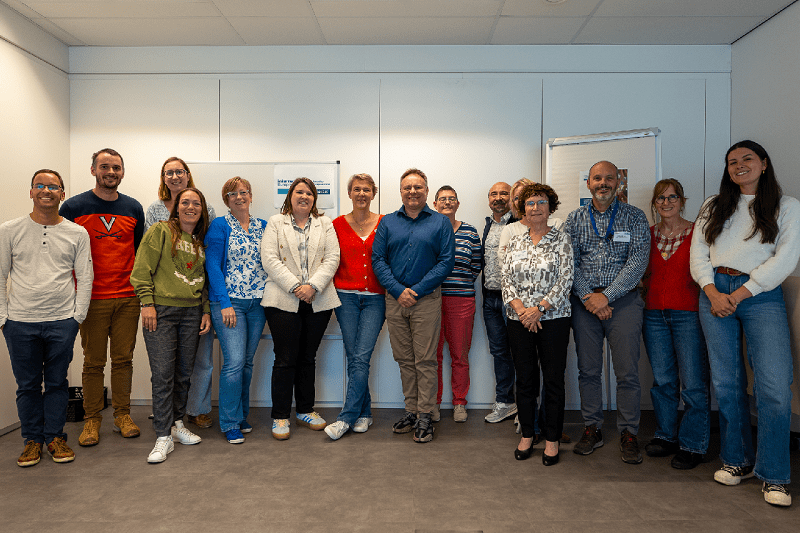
541,308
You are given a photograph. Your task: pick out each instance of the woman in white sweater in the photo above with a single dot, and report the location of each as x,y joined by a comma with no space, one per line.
300,252
747,241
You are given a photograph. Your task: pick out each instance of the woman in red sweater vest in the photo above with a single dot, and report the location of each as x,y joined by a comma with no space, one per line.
672,335
363,308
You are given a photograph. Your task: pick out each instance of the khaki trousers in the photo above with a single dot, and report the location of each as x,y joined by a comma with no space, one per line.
116,319
414,336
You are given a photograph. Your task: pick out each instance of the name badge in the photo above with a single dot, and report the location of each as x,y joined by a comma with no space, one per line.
622,236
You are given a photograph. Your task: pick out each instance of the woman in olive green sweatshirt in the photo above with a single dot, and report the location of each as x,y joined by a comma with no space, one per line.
169,279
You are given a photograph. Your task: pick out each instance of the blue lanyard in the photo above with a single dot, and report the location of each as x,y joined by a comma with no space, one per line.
609,230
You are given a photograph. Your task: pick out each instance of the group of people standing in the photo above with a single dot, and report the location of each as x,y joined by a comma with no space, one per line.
102,262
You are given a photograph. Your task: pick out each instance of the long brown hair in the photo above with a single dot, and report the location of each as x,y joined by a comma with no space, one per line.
764,209
163,191
200,228
286,209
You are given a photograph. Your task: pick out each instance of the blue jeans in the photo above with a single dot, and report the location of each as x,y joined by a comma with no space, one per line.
766,328
677,351
361,318
238,346
495,320
199,402
41,351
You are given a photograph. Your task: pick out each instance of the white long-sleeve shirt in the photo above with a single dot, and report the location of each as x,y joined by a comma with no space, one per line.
36,267
767,264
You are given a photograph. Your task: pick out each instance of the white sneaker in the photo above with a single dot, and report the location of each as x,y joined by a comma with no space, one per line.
460,413
362,424
280,428
337,429
183,435
312,420
501,411
163,446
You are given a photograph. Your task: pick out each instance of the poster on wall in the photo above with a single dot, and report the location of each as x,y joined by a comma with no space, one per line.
324,177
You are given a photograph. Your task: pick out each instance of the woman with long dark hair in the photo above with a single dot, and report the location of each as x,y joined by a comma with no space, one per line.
747,241
169,279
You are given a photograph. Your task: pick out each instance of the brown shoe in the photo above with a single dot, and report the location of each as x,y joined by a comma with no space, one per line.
125,426
60,451
90,435
564,438
31,455
201,421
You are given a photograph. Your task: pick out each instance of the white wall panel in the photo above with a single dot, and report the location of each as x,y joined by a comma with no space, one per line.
146,120
470,134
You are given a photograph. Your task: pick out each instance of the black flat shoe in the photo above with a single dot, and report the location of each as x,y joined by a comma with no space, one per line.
548,460
684,460
521,455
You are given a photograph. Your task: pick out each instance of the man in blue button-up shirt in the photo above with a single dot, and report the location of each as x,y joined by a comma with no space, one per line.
611,246
413,253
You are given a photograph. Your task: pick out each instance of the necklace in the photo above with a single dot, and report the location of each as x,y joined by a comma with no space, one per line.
361,224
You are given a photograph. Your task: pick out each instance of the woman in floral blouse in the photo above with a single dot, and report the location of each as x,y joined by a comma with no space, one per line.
537,279
236,285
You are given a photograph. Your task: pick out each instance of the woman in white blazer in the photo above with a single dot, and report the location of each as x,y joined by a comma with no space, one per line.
300,252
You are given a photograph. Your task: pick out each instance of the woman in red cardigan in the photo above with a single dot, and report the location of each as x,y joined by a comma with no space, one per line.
672,335
363,308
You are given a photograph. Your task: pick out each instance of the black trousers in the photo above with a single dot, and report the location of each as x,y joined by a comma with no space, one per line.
296,337
548,348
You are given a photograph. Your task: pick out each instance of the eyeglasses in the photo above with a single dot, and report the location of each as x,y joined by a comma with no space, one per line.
236,194
531,203
446,199
51,188
178,173
672,198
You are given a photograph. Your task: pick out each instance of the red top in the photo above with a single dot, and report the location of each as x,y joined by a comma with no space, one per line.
668,282
355,260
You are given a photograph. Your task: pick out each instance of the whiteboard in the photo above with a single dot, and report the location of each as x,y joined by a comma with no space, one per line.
568,158
210,176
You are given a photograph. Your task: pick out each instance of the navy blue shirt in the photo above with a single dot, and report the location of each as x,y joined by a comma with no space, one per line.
416,253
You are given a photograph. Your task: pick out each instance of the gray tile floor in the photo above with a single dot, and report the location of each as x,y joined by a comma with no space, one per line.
466,480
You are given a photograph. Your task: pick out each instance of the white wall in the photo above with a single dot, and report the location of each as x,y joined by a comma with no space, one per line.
468,116
34,134
765,107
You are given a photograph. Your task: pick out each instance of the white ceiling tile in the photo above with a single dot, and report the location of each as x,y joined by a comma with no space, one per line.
540,8
152,32
405,8
665,30
691,8
404,31
133,9
265,31
521,30
264,8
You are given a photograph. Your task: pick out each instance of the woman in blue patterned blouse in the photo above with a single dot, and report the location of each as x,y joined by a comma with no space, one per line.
236,285
536,279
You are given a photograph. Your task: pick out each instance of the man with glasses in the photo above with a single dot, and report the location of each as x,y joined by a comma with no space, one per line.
115,223
412,254
611,246
40,310
458,305
493,313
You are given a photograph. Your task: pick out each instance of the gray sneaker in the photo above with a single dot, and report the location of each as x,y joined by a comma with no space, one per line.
423,429
592,439
460,413
362,424
405,424
501,411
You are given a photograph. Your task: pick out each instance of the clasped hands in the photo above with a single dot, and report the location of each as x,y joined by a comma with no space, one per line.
305,293
530,318
597,304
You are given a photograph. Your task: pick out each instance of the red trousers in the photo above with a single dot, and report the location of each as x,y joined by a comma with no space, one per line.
458,315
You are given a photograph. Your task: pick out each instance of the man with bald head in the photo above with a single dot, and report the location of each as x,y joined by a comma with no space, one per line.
493,315
611,245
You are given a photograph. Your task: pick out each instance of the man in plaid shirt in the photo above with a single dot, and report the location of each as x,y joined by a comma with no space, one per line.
611,244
